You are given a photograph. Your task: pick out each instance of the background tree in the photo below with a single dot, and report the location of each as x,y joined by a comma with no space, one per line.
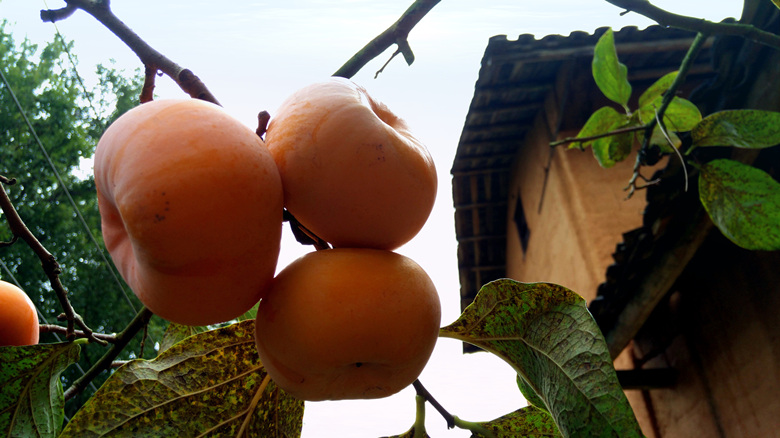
68,119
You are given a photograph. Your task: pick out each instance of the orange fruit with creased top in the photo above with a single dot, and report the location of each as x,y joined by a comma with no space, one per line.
191,207
352,171
18,317
348,323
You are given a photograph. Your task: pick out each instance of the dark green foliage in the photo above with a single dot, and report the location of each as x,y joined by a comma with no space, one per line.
68,121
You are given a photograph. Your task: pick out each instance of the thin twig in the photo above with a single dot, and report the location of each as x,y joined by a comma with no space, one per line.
50,267
685,65
397,33
104,363
669,19
151,58
597,136
52,328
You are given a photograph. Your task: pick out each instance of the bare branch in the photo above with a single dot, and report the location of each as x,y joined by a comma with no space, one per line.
397,34
666,18
598,136
50,267
120,342
52,328
152,59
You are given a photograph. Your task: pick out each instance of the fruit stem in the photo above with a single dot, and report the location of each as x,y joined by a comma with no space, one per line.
422,392
419,419
476,428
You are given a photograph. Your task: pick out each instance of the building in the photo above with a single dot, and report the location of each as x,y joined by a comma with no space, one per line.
659,277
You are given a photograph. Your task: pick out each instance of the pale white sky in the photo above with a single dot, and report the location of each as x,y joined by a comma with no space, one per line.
252,54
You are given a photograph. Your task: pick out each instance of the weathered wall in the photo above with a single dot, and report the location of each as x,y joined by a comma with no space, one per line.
583,213
720,329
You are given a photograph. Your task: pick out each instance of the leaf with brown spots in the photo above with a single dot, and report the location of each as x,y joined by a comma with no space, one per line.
743,202
528,422
209,384
545,332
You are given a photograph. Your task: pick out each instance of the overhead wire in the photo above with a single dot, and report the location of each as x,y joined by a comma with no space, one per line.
56,173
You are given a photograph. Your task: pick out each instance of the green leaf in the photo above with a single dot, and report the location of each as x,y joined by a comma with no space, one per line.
600,122
545,332
530,394
249,314
681,115
751,129
743,202
210,383
528,422
610,75
658,89
31,400
613,149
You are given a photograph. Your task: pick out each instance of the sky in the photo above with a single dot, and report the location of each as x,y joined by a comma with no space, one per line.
252,54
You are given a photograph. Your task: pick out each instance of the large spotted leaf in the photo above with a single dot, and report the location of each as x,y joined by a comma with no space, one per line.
547,334
208,384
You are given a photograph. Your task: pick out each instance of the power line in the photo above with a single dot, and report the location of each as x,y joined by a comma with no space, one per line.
65,188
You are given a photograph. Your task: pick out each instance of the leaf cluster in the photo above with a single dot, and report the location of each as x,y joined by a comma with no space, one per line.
743,201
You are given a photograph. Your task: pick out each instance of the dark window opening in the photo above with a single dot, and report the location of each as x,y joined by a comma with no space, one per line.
522,226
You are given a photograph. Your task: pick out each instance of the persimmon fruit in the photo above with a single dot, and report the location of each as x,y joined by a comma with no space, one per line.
18,317
352,171
191,207
348,323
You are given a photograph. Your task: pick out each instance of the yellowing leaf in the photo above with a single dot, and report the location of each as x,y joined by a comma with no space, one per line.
600,122
31,400
681,115
209,384
658,88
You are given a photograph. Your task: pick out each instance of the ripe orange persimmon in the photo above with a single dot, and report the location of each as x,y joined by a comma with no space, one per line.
352,172
348,323
18,317
191,206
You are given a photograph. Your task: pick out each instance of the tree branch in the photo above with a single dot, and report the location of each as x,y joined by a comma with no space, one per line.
49,263
669,94
51,328
700,25
104,363
397,34
152,59
597,136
